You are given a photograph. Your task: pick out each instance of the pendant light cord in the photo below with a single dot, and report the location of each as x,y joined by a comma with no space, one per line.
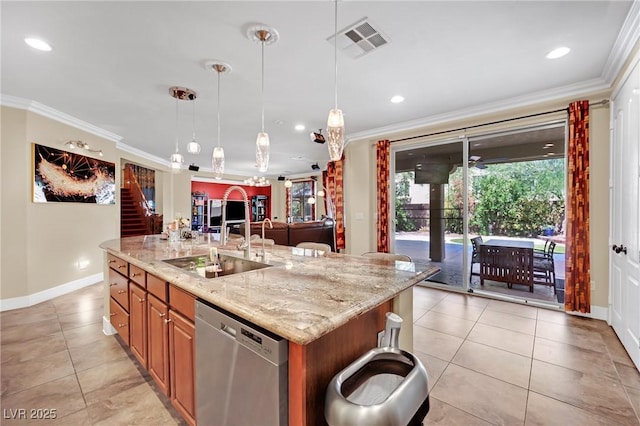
262,44
176,124
194,120
335,52
218,108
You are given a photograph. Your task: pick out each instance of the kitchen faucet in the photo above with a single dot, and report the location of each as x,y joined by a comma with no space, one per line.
246,244
270,227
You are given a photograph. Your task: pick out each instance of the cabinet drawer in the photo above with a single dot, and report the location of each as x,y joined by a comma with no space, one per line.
138,276
157,287
119,289
183,302
119,320
118,264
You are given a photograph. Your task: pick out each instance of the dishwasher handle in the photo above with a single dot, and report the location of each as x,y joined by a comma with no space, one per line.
227,329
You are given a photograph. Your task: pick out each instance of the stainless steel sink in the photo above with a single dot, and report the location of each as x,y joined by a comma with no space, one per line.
203,267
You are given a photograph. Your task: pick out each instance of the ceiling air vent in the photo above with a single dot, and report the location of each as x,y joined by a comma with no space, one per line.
360,38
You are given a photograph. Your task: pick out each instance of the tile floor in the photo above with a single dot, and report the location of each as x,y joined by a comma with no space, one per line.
489,362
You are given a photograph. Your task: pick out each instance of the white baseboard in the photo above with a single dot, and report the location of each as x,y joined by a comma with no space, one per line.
107,328
48,294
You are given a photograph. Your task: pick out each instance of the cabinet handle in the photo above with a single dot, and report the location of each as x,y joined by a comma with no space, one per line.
122,325
121,291
162,315
134,275
112,284
112,314
140,300
122,266
168,320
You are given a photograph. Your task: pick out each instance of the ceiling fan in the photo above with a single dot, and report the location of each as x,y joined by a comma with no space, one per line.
476,161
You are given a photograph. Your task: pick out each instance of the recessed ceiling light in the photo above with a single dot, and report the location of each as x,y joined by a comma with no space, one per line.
397,99
558,53
36,43
299,127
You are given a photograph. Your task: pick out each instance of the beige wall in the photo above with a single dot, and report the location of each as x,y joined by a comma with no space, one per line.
360,183
14,170
42,243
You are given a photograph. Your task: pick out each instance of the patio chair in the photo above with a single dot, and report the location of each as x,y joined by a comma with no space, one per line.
475,255
541,252
544,269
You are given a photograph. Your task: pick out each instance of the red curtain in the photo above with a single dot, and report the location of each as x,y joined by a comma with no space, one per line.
334,183
382,165
578,276
288,202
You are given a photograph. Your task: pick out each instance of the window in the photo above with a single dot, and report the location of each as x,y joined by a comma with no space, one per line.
301,210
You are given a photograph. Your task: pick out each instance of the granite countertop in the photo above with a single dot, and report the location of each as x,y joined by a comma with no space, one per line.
301,297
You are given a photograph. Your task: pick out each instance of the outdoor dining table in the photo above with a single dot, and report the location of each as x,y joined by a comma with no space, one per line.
503,242
506,260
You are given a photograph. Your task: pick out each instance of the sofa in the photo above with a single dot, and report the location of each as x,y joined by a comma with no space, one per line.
290,234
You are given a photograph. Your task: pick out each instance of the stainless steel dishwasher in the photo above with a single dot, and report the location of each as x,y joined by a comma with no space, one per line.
241,371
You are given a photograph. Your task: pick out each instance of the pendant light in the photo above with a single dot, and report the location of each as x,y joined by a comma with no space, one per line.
217,159
179,93
193,147
264,36
335,122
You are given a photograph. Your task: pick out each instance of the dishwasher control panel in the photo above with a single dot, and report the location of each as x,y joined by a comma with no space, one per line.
266,344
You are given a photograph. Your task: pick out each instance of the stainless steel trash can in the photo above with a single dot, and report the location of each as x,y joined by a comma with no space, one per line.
385,386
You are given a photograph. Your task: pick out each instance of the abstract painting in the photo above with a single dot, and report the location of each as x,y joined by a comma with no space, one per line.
62,176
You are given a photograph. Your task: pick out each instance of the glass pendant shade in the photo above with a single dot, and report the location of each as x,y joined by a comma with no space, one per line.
176,160
217,162
262,151
193,147
335,134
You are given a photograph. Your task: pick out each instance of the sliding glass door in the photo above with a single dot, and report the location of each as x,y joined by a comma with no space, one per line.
501,188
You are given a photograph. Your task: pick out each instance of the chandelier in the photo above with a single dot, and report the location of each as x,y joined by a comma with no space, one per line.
257,181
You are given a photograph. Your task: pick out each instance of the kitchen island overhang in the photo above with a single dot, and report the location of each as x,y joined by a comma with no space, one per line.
300,297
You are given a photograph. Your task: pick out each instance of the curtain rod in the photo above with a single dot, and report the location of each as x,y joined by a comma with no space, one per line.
602,102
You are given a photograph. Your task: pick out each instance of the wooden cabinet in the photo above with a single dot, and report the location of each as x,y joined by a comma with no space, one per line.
158,342
156,321
138,323
138,276
119,289
118,264
182,364
119,319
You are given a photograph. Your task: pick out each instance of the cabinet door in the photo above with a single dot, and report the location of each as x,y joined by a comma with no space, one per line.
138,323
158,338
182,364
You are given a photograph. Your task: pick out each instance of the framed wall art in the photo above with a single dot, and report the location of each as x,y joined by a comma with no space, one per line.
62,176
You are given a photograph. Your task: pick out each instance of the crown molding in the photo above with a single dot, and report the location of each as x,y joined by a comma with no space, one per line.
566,92
624,45
45,111
143,154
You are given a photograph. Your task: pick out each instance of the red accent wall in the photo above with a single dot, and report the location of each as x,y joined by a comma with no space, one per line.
216,190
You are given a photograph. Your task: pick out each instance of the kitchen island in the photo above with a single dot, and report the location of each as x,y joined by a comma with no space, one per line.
329,307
